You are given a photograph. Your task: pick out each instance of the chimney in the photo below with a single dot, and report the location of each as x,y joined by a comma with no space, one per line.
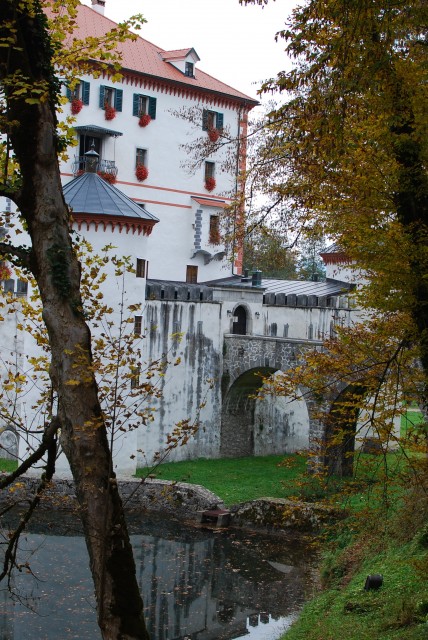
99,5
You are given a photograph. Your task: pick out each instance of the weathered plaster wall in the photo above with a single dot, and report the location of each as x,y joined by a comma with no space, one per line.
189,334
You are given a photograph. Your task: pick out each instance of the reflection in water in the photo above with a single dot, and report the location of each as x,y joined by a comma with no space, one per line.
196,585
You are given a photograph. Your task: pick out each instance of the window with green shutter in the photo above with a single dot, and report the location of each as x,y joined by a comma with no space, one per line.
80,92
143,105
111,97
211,120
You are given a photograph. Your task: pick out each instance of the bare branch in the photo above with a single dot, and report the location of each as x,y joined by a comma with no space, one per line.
18,254
12,547
45,445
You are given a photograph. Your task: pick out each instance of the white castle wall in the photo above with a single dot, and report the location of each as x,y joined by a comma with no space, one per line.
169,189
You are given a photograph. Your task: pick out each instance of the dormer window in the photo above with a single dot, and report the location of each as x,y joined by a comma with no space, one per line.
182,59
189,70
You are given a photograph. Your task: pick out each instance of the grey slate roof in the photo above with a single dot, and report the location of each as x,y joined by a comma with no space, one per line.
92,195
328,287
298,287
94,128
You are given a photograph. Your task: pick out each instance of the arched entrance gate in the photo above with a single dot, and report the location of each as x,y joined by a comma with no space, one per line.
254,424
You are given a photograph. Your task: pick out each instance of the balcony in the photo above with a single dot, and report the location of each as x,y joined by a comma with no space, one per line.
82,164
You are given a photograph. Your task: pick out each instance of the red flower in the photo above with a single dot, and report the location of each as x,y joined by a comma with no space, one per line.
5,272
210,183
108,177
144,120
213,135
141,172
109,112
76,106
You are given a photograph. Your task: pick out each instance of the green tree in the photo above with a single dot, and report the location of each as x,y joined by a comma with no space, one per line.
310,265
344,156
30,177
267,250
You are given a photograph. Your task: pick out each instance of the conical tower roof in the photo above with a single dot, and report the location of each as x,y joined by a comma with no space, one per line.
93,200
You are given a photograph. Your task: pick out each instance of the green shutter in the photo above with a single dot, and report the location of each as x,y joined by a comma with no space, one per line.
152,108
205,120
135,104
118,99
85,91
68,93
102,89
219,121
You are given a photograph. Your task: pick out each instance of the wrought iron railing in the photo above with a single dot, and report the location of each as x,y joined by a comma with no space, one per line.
82,164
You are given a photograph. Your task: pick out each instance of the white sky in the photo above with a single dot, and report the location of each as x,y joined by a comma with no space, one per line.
236,44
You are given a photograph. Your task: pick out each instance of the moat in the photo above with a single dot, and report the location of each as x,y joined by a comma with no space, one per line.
197,584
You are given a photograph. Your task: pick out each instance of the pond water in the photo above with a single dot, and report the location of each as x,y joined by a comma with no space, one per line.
196,584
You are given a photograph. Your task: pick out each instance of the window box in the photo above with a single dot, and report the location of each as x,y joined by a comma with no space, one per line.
108,177
210,183
144,120
5,272
109,112
76,106
141,172
214,135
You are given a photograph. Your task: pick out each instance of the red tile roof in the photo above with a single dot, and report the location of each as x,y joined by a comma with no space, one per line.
177,54
206,202
144,58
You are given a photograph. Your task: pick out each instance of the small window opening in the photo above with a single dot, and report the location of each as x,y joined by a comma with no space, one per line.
209,170
141,157
189,70
140,270
191,274
138,325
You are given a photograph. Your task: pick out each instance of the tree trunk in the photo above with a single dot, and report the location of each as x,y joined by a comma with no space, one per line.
57,272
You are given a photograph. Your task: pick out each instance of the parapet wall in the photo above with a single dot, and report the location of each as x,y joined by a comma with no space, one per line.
178,498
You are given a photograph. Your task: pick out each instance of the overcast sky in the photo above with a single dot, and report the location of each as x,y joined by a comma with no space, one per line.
235,43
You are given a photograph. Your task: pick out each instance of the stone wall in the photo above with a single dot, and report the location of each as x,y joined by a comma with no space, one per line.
183,501
178,498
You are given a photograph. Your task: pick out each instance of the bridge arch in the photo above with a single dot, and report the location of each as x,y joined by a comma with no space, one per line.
348,428
258,423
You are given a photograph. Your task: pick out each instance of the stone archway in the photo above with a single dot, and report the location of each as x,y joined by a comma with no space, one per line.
281,423
349,427
340,430
240,321
258,424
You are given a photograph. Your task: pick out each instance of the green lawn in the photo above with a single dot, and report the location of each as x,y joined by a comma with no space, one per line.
238,479
410,419
8,465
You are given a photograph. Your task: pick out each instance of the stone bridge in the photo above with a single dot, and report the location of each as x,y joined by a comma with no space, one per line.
254,423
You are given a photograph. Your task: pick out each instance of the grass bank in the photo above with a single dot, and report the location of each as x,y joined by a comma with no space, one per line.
8,465
345,610
238,479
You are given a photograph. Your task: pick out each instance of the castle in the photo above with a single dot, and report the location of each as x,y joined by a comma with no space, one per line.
132,183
